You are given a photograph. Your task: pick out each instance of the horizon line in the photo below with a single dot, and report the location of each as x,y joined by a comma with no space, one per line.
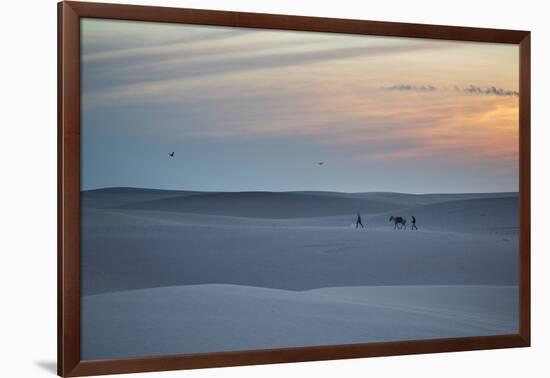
286,191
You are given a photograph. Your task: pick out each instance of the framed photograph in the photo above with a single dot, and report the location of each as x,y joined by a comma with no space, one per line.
239,188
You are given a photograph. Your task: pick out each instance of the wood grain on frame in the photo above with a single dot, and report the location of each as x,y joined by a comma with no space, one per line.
68,189
69,14
525,188
283,22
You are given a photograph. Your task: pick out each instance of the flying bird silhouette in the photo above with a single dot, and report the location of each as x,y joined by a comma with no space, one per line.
171,154
320,162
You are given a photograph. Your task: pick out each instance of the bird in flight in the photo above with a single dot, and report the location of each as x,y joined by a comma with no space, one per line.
171,154
320,162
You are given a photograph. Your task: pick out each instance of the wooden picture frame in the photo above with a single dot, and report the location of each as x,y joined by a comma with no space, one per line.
69,16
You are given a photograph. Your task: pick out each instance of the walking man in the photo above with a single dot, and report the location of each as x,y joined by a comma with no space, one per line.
358,222
413,227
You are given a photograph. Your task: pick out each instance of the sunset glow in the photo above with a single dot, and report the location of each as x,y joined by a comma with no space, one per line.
249,109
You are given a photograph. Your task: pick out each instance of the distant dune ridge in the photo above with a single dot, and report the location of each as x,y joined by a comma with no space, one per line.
114,197
264,205
297,254
267,204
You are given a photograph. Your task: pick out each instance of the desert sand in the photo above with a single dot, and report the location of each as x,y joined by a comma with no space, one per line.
172,272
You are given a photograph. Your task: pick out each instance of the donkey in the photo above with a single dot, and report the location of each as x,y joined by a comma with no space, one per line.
398,221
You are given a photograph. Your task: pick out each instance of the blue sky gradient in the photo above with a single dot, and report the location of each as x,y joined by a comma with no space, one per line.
256,109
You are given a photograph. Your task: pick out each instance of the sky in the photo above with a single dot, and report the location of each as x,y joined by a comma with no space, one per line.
256,110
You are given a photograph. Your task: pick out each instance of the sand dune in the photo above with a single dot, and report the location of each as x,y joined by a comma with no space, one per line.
311,204
402,198
408,200
139,252
465,242
497,214
115,197
167,272
264,205
210,318
115,218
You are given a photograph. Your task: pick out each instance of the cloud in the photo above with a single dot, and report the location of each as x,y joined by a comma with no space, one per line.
472,89
134,82
156,50
491,91
411,87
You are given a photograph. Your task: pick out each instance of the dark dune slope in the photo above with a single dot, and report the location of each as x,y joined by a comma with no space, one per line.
114,197
498,214
407,200
273,205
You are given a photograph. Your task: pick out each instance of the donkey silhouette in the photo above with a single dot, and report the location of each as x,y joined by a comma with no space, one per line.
398,222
